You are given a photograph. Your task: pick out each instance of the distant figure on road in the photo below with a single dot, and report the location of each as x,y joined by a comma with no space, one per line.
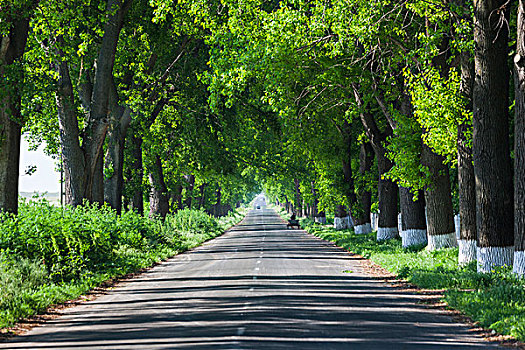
293,221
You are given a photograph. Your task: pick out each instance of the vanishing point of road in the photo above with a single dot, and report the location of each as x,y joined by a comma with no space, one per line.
259,286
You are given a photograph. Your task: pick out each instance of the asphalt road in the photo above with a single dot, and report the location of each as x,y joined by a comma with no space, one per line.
259,286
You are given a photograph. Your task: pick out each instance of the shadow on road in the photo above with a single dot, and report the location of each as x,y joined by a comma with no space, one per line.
258,287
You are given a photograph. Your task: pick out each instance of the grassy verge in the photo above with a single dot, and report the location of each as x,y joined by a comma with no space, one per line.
49,255
496,300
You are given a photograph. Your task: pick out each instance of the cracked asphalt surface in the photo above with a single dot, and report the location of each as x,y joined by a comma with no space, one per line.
259,286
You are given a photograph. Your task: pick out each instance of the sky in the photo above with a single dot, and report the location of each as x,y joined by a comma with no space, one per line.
45,179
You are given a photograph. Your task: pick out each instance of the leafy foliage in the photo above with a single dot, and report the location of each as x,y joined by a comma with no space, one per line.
49,255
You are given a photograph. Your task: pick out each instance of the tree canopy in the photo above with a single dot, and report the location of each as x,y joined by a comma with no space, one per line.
331,107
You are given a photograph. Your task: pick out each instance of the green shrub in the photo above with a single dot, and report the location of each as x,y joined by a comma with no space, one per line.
17,278
140,232
189,221
50,254
65,240
194,226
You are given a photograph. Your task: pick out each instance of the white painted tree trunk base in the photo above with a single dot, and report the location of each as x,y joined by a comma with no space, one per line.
342,223
413,237
363,229
447,240
492,257
386,233
374,218
467,251
320,220
457,225
519,263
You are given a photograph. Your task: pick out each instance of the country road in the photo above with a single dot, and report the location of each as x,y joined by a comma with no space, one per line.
259,286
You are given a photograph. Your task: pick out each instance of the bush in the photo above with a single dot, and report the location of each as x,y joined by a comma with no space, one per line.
17,278
65,240
50,254
139,232
191,222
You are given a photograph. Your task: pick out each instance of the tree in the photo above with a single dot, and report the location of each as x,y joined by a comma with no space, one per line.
366,157
491,149
387,189
519,145
14,29
158,198
412,202
83,161
438,199
466,180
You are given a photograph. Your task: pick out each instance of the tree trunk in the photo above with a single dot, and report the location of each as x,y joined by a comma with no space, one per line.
189,190
491,151
202,197
73,161
158,199
306,209
388,195
10,135
114,166
315,202
519,146
216,209
120,119
12,48
413,222
362,224
349,186
321,218
298,200
413,217
83,165
341,218
97,187
438,197
225,209
387,190
176,199
97,122
467,185
137,200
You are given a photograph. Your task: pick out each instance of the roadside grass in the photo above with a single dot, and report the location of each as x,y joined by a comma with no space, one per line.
49,255
495,301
